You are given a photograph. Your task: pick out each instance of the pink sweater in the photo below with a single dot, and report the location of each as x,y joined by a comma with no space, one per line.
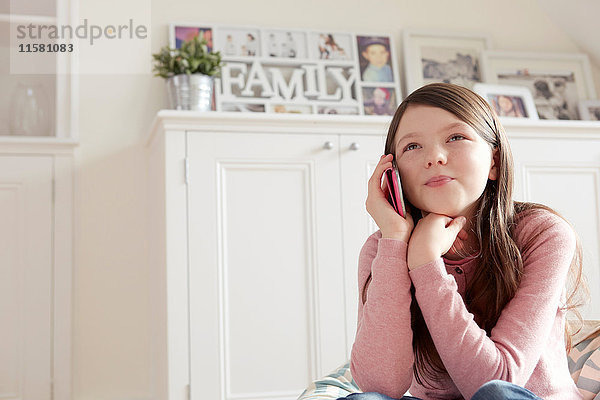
526,346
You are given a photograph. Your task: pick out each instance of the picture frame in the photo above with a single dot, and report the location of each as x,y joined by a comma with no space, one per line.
370,88
334,109
453,57
241,41
328,45
185,31
558,81
375,57
589,110
379,100
245,107
286,70
283,108
511,102
285,44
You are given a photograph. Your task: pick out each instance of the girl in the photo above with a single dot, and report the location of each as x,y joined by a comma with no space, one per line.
464,297
507,106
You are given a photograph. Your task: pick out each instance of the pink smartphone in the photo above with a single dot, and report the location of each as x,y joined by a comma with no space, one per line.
394,187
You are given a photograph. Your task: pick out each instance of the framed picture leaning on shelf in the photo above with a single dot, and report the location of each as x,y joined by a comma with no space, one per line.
557,81
589,110
508,101
431,56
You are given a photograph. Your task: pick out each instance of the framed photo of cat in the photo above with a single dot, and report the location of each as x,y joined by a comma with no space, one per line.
443,57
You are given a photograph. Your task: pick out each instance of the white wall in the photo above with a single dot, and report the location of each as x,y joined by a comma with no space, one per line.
113,323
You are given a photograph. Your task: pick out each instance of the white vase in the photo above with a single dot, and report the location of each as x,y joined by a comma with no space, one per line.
29,111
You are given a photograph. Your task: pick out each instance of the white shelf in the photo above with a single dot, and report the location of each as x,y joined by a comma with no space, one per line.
36,145
269,122
356,124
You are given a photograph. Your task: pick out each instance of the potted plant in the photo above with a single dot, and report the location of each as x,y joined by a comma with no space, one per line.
189,72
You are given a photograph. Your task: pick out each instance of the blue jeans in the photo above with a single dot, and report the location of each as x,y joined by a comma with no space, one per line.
501,390
493,390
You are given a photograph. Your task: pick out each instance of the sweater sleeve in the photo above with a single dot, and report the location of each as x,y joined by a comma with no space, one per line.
516,343
382,359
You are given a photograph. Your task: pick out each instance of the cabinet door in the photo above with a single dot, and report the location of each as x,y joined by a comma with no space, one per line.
359,156
266,271
25,277
565,175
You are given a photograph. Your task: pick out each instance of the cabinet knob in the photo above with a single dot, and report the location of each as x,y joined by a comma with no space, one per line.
328,145
354,146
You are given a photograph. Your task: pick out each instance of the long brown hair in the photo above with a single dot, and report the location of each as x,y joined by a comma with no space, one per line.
497,278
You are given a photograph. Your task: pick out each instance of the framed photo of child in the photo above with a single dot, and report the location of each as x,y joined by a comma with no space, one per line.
508,101
379,100
375,56
443,57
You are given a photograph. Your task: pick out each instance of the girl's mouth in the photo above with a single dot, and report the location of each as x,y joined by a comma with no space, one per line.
438,181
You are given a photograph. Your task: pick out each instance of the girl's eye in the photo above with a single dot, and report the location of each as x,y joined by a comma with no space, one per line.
410,147
457,136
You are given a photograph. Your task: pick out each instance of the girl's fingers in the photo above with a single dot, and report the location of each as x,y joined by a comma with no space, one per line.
384,163
447,220
462,235
457,224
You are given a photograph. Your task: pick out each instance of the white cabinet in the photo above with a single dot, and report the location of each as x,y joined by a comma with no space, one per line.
25,287
35,272
256,222
266,237
557,163
36,196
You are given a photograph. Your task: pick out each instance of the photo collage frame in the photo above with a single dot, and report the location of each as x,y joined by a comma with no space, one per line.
299,71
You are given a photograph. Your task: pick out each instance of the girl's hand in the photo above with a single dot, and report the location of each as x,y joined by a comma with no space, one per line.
433,237
391,224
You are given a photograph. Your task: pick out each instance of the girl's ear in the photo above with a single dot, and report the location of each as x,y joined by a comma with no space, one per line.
493,175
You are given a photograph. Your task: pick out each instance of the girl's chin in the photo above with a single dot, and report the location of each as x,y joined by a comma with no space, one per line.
438,206
450,212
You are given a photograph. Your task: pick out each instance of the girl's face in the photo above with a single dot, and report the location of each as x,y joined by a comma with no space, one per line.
505,103
443,163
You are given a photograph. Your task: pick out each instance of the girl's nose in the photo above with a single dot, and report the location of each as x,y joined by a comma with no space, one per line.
436,157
